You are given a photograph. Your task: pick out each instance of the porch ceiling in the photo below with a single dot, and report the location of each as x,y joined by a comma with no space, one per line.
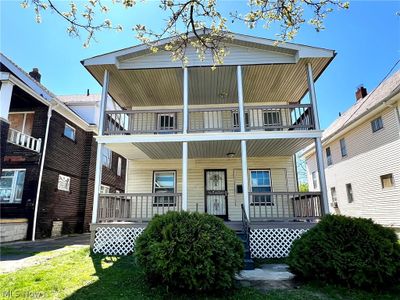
163,87
210,149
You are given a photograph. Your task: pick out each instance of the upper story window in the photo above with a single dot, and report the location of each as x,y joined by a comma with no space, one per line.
343,148
272,118
387,181
69,132
376,124
21,121
349,191
166,123
334,197
328,156
314,180
64,183
11,185
236,120
104,189
119,166
106,157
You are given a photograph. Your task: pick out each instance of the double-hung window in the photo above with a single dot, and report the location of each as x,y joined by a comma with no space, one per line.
166,123
236,120
106,157
343,148
328,156
164,182
377,124
260,181
272,118
11,185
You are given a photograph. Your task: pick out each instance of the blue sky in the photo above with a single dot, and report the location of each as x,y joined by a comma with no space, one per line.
366,38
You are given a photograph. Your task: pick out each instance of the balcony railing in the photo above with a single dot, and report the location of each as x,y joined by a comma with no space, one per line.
221,119
24,140
135,207
284,206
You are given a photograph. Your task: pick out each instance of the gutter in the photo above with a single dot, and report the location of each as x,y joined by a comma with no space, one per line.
35,215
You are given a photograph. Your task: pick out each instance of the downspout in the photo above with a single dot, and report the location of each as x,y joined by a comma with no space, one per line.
35,215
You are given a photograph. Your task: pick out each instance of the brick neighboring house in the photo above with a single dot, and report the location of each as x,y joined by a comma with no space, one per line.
65,159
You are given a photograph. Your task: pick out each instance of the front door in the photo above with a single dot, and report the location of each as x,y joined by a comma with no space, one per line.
216,195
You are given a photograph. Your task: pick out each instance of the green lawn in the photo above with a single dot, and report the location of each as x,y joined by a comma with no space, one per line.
78,275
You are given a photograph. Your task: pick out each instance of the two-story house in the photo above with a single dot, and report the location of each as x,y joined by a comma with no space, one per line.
362,156
216,141
48,160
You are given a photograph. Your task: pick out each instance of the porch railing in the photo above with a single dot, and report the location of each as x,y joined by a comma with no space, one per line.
284,206
24,140
165,121
217,119
136,207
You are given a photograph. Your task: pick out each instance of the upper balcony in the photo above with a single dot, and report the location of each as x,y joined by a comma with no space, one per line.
211,119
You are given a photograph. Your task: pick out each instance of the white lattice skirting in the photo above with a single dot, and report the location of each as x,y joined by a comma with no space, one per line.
273,242
115,240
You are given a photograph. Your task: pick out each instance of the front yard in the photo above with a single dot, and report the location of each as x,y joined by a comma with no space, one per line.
78,275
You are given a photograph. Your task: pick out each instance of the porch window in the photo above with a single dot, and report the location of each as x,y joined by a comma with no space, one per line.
260,183
22,121
272,118
236,120
163,183
11,185
166,123
69,132
106,157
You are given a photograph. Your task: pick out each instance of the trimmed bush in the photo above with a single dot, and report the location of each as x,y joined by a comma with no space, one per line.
354,252
189,251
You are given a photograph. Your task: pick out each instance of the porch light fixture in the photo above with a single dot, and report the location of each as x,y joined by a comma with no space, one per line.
230,154
223,95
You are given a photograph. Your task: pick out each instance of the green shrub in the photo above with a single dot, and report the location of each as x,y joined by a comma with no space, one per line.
354,252
189,251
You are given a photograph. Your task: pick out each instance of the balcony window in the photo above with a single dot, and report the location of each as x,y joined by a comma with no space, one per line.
11,185
166,123
21,121
164,182
69,132
260,181
272,119
236,120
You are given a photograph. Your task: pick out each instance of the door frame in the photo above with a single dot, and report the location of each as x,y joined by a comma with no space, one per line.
225,217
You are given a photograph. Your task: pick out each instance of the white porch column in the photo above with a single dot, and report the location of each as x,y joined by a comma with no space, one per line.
243,146
318,142
5,99
99,167
185,100
184,176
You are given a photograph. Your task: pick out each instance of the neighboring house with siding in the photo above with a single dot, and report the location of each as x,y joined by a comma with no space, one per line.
362,156
48,158
218,141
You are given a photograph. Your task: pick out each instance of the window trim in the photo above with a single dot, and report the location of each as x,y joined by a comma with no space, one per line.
13,185
58,183
73,130
391,180
154,190
380,123
267,202
343,146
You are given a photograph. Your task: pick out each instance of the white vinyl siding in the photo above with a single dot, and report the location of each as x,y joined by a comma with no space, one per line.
140,177
369,156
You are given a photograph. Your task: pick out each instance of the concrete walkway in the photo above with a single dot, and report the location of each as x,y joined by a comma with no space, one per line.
267,277
23,254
